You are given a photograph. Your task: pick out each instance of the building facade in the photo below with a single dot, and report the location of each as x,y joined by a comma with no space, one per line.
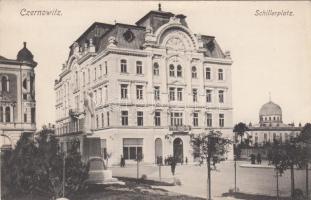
271,126
17,97
144,88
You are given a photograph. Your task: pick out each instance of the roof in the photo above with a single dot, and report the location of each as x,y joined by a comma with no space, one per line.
95,31
212,47
100,33
118,32
270,108
24,55
154,12
2,58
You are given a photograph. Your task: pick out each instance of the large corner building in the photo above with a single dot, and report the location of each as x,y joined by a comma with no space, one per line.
17,97
143,89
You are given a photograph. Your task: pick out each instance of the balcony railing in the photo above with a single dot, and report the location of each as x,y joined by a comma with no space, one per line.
181,128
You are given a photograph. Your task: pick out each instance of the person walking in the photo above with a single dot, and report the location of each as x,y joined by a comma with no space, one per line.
258,158
173,165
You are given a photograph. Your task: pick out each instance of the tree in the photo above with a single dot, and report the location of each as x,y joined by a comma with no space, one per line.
18,169
240,130
305,139
294,157
278,158
36,165
207,146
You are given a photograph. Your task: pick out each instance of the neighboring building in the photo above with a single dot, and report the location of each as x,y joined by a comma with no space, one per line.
17,97
143,88
271,126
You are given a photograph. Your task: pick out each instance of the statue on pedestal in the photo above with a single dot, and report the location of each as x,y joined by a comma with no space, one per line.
89,109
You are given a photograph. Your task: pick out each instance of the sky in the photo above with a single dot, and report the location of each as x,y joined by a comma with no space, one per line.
270,54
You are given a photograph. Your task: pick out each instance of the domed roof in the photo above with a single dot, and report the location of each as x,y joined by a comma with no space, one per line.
270,108
25,55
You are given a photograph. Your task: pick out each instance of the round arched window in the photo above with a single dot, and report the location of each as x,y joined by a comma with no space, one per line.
194,72
156,70
179,71
172,70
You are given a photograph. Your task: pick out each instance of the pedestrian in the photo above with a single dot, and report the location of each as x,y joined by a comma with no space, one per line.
173,165
121,159
253,159
258,158
186,160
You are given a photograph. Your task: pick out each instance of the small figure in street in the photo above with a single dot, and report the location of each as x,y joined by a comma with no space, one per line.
258,158
186,160
122,162
253,159
173,165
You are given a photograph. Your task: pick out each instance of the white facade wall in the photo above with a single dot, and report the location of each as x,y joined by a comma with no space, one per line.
109,99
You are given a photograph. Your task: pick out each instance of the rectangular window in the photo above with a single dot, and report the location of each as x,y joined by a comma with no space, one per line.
176,119
208,73
108,119
221,96
179,94
156,70
139,67
209,120
25,117
124,91
100,71
100,95
172,94
139,92
195,121
140,118
95,73
132,147
123,66
156,93
195,95
106,68
220,74
33,115
208,96
103,121
157,118
124,118
221,120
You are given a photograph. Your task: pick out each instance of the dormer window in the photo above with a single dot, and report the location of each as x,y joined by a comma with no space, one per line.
129,35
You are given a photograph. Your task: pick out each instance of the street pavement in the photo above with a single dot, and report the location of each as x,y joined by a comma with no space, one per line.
250,180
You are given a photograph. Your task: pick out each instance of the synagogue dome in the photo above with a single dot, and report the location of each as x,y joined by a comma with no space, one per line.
269,109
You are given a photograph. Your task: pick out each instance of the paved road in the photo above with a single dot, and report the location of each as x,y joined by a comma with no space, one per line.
193,179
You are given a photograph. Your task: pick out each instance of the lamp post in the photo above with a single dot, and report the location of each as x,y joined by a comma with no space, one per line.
235,156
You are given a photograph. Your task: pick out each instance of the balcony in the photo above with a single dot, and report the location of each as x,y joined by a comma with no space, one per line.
182,128
74,113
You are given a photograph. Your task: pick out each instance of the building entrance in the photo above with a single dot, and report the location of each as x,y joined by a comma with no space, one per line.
178,150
